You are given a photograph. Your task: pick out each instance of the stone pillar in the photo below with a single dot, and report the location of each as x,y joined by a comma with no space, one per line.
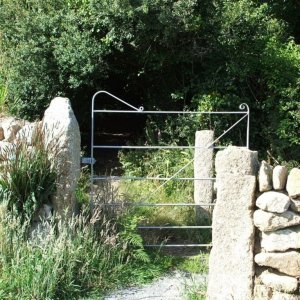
231,265
62,133
203,168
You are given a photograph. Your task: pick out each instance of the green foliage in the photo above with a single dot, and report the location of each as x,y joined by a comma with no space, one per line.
83,187
3,95
196,265
164,54
83,256
27,176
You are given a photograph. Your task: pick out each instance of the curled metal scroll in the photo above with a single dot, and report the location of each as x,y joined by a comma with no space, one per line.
244,106
141,108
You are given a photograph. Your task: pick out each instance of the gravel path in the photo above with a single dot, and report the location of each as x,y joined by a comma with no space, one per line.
173,286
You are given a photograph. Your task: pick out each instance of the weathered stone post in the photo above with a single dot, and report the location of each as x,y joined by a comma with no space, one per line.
231,265
203,168
61,132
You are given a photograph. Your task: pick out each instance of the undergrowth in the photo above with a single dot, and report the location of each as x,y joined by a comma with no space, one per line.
163,163
87,255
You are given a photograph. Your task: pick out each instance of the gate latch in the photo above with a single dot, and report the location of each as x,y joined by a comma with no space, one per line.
88,160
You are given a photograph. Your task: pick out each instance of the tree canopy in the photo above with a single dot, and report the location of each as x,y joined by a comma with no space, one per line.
160,53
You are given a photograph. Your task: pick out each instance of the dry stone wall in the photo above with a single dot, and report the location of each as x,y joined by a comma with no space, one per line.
60,131
256,230
277,219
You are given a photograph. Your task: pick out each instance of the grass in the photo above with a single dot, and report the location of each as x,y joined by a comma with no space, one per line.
87,255
27,175
163,163
82,257
3,97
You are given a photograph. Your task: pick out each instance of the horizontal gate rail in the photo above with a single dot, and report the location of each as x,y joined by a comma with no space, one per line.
152,147
173,227
159,204
112,178
157,112
177,245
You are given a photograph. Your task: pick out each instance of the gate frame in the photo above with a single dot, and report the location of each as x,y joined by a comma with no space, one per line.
244,110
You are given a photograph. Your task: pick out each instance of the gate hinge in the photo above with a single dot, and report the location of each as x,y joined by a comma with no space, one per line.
88,160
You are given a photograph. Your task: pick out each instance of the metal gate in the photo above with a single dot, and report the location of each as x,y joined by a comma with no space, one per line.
244,115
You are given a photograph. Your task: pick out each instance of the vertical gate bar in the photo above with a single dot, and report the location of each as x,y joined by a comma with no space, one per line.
92,152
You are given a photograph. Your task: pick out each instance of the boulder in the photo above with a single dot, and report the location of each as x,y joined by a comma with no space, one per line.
28,133
265,177
7,150
237,160
285,262
11,126
261,292
273,202
62,138
295,205
284,296
280,174
279,282
267,221
281,240
293,183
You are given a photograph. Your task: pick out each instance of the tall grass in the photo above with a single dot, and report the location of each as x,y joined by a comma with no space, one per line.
65,258
87,255
3,96
27,176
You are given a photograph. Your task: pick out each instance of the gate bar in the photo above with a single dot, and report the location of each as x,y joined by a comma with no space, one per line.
153,147
170,112
149,178
179,245
159,204
174,227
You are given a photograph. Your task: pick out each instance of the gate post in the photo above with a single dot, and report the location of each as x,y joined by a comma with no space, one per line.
203,168
231,264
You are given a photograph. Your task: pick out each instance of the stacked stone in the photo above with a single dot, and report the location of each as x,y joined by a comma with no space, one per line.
278,221
61,131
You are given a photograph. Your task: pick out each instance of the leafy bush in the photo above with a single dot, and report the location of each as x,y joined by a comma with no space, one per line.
166,54
27,176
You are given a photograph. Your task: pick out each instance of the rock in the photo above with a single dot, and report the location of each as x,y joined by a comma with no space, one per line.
28,133
62,135
7,150
237,160
286,262
279,282
44,213
281,240
261,292
10,127
295,205
265,177
1,134
284,296
293,183
267,221
273,202
280,174
203,168
231,263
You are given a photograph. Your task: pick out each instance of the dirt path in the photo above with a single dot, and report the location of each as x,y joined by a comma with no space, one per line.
174,286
